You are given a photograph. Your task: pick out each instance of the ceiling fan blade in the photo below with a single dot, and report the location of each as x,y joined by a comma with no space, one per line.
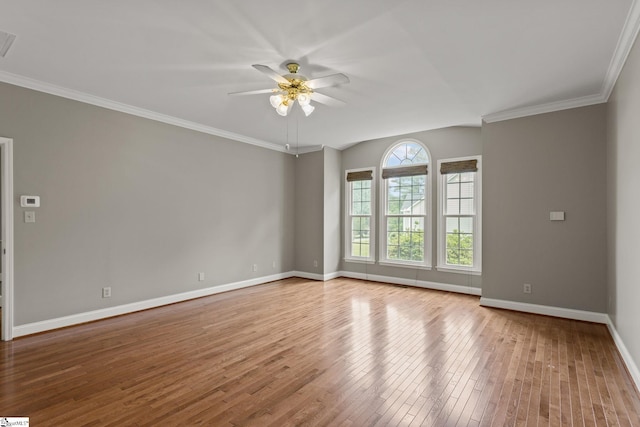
327,100
272,74
326,81
254,92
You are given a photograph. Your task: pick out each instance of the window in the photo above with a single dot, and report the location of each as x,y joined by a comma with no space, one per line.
359,204
459,207
405,229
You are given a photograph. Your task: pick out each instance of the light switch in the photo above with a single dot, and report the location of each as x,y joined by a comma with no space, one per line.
29,216
556,216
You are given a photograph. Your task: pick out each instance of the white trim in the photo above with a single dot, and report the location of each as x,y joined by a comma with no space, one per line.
625,43
6,145
307,149
135,111
382,221
567,313
404,264
315,276
460,289
360,260
90,316
623,48
626,356
550,107
372,218
476,269
466,271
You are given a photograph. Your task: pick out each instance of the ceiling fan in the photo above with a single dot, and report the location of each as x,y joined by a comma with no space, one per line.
294,87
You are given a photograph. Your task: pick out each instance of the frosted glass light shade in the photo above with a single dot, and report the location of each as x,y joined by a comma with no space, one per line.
275,100
308,109
304,99
282,109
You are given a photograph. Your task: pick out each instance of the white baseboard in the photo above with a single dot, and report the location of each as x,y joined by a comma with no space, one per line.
567,313
626,356
89,316
315,276
470,290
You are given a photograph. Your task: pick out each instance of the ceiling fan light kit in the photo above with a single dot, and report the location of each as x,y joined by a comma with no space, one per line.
294,87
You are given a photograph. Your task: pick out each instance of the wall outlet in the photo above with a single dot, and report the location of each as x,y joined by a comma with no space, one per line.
255,267
273,264
29,216
106,292
315,262
200,277
527,288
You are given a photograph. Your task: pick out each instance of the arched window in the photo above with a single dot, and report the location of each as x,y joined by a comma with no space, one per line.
406,226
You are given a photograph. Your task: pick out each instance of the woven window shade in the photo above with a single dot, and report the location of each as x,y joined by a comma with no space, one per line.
360,176
459,167
404,171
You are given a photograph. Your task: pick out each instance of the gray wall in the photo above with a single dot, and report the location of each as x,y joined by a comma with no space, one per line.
332,220
623,186
442,143
136,205
309,212
534,165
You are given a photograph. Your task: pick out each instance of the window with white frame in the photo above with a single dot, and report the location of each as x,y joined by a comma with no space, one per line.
460,208
359,236
405,228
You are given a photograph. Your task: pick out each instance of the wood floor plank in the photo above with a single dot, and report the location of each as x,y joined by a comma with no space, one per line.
338,353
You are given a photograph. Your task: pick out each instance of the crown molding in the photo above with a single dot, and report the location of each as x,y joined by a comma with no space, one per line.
626,40
63,92
550,107
623,48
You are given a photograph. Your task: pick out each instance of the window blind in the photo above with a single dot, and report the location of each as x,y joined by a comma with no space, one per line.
459,167
360,176
404,171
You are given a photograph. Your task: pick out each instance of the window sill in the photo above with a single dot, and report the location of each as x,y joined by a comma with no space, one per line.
360,260
404,265
449,269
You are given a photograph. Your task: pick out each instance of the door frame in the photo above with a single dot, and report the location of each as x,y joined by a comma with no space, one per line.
6,206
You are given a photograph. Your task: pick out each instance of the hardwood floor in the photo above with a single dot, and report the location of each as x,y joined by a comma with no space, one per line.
343,352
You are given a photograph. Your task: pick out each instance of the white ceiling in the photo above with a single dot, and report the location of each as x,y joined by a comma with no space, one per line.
413,64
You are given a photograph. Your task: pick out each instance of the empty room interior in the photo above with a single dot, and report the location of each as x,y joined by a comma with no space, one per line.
412,213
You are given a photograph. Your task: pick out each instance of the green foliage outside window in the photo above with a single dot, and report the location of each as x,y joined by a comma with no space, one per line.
459,249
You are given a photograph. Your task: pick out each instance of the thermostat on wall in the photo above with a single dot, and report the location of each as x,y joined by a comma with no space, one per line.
30,201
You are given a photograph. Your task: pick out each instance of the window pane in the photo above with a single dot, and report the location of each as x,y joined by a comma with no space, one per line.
417,253
392,252
356,248
418,207
356,225
453,225
356,208
453,190
365,194
394,224
467,176
453,177
466,257
466,189
417,223
366,208
459,248
407,153
453,207
466,225
365,223
393,238
356,195
466,206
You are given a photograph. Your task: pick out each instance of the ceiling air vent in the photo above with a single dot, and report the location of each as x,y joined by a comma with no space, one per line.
6,40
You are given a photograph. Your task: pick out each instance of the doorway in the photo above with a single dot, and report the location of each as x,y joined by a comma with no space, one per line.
6,236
